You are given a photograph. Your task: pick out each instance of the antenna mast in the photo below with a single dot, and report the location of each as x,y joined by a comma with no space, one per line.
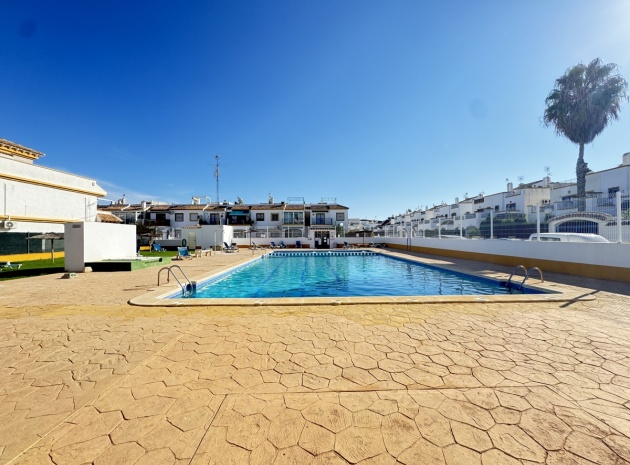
216,175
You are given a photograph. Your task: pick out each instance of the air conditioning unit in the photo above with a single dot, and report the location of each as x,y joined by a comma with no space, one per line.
9,224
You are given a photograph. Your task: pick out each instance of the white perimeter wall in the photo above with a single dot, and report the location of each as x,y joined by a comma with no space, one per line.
91,242
604,254
204,237
210,235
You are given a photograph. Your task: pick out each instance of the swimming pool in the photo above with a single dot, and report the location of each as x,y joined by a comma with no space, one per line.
342,274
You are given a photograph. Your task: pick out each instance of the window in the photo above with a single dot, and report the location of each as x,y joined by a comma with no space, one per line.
179,217
293,232
340,216
260,217
320,218
612,191
214,218
193,217
293,217
275,217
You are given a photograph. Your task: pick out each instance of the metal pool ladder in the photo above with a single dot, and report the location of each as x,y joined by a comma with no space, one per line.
189,288
526,275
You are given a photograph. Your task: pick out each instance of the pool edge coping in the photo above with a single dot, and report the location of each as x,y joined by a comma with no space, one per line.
552,292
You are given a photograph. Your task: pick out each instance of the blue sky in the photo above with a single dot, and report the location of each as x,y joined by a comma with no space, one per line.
383,105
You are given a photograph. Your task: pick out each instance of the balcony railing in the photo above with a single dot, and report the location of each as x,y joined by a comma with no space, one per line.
317,221
157,222
567,205
606,202
239,220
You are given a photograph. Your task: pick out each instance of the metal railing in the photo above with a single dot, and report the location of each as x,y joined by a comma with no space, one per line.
607,215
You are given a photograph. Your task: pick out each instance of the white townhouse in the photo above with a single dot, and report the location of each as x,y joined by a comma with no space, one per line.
35,199
607,197
170,220
360,224
607,191
313,225
470,212
601,187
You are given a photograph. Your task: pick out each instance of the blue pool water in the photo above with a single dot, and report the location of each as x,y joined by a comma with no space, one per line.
339,274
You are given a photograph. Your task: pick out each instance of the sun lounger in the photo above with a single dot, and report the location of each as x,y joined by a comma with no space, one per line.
255,247
10,266
273,245
182,252
298,245
229,248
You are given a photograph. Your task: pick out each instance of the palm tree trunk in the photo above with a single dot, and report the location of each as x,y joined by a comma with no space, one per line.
580,171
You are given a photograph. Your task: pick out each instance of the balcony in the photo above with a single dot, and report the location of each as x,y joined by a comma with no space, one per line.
296,221
238,220
160,222
606,202
567,205
321,221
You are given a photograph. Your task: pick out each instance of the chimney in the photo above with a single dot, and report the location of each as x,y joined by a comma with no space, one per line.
510,187
626,159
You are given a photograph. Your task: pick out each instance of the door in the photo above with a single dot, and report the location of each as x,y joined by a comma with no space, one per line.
192,239
322,239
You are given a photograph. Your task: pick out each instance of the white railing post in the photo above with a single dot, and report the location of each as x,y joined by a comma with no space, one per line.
491,226
461,226
619,217
538,222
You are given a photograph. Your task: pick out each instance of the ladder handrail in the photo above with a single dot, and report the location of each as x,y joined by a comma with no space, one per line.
507,284
526,276
169,272
535,268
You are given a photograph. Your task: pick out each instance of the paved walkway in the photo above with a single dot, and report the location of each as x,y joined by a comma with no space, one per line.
86,378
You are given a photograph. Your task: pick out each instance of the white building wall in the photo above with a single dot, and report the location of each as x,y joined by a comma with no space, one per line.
603,180
44,197
91,242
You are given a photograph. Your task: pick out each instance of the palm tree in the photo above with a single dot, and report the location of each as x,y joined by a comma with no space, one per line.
583,102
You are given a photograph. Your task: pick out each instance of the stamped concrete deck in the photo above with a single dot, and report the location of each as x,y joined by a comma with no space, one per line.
86,378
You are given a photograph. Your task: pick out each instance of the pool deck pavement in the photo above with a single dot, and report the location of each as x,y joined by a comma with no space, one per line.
86,378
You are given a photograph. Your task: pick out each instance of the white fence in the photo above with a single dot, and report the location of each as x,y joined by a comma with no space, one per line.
607,215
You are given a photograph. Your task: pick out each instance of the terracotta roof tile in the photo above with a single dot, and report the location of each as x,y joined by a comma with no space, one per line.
22,148
108,218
